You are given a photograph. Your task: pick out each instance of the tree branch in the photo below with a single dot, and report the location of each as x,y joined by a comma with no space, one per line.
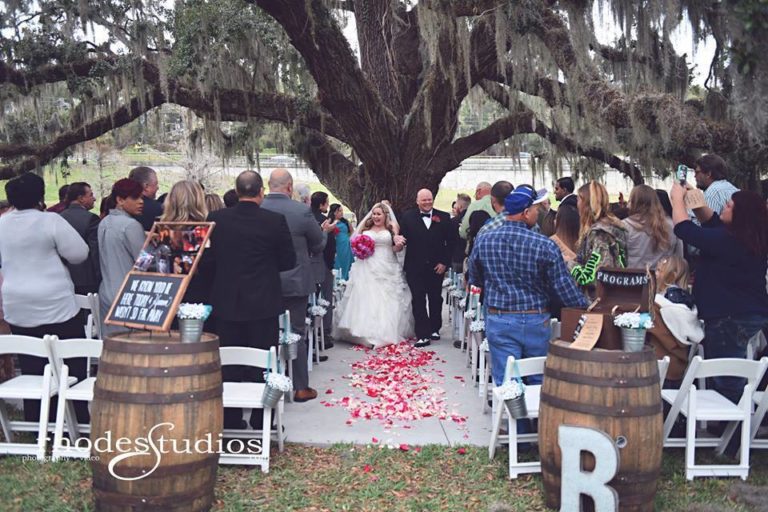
343,90
43,154
335,171
466,7
611,108
520,122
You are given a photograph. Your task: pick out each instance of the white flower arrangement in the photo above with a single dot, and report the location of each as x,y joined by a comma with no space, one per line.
446,282
633,321
484,345
322,302
451,288
279,381
190,311
290,339
317,311
469,314
463,303
477,326
511,389
459,294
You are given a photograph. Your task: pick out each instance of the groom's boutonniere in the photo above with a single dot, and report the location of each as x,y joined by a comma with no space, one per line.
435,218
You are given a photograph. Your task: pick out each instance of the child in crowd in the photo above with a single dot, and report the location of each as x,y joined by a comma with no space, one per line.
676,322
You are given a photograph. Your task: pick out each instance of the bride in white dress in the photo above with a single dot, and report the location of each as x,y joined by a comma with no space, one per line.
375,309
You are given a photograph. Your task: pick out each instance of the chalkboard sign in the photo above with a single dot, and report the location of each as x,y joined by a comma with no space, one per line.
147,300
152,291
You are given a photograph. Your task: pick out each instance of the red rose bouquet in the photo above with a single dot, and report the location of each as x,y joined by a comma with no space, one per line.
362,246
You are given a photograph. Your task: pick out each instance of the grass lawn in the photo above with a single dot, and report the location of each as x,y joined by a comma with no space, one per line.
344,477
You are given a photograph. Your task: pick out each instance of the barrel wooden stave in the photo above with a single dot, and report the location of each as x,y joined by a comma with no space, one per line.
612,391
145,380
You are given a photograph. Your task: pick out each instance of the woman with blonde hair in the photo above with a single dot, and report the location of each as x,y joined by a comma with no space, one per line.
676,322
213,202
602,236
650,235
185,203
375,309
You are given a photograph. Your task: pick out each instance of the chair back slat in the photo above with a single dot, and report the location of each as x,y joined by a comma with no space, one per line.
247,356
731,367
75,347
527,366
25,345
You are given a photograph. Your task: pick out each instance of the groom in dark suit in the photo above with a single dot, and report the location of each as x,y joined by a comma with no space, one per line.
429,238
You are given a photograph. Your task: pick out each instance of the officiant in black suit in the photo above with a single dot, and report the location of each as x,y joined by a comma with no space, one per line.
429,245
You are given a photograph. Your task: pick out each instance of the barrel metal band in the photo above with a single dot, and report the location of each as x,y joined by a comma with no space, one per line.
178,501
158,398
612,382
602,356
177,469
160,347
615,411
175,371
621,479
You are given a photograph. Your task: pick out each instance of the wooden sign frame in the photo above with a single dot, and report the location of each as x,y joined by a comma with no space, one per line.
183,279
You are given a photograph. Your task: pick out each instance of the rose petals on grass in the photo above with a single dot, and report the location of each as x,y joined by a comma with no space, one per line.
396,383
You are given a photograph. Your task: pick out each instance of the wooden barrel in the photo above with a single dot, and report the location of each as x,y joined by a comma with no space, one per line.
164,398
613,391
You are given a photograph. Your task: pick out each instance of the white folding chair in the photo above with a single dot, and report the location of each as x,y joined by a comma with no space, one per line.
556,329
528,366
709,405
61,350
484,374
284,322
317,326
90,302
475,340
663,368
760,399
247,396
26,387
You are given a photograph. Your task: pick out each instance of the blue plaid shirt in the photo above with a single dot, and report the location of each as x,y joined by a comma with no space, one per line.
520,270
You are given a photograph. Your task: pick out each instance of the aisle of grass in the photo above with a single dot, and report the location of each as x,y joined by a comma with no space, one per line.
344,477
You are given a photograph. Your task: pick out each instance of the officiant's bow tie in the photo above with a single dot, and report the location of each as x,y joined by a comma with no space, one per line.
426,214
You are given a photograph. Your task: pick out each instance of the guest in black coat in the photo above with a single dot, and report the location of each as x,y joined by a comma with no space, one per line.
322,264
250,246
564,188
430,238
86,276
460,245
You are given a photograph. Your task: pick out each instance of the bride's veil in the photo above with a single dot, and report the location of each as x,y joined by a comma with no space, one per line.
390,214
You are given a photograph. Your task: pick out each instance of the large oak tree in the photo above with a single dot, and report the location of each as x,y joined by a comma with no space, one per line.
385,124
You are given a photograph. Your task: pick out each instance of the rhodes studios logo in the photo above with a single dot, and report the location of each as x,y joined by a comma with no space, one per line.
156,444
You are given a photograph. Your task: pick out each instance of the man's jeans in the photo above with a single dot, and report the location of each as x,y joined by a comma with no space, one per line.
521,335
729,337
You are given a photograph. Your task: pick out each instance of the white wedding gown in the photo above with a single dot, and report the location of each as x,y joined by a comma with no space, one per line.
375,309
